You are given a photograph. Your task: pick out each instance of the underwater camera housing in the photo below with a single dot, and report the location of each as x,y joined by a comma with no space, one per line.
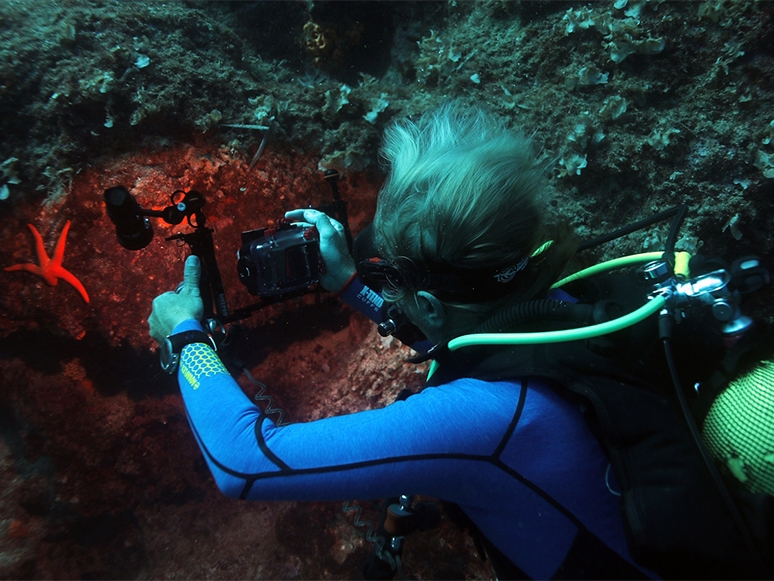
281,260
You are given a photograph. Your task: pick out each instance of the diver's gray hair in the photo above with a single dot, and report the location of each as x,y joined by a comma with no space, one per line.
462,190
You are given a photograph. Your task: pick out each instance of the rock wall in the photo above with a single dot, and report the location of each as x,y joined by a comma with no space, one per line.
641,105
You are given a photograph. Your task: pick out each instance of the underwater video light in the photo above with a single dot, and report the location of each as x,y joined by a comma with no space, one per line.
133,229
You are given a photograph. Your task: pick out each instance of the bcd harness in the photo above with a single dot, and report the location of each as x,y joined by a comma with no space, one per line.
676,520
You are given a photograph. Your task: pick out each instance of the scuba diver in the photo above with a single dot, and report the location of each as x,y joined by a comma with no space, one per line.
570,459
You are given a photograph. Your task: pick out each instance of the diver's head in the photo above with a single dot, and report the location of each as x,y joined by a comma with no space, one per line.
459,218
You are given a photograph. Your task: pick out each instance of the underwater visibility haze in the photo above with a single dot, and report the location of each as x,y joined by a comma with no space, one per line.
641,104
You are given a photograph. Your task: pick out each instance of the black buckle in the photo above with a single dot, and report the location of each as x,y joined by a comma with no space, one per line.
172,346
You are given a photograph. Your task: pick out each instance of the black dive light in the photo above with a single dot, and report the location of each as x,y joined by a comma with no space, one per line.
135,232
133,229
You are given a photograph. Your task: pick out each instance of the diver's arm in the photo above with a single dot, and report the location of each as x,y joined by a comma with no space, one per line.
368,454
247,454
222,417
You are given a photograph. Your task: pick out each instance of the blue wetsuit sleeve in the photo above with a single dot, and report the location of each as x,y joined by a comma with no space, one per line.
369,454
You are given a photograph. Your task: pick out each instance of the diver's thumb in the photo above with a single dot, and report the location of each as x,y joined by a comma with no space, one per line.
192,274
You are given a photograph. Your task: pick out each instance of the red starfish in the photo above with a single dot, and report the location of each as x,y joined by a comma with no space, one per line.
51,268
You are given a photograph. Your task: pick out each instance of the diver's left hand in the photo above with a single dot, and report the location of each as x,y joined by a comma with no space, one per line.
174,307
339,264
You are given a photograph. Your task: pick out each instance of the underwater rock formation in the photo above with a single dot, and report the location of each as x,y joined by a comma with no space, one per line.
641,105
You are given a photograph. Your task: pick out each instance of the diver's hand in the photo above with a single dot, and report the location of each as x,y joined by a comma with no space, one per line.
339,265
172,308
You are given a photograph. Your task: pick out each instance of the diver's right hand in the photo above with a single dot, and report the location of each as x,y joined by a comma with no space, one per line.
173,307
339,264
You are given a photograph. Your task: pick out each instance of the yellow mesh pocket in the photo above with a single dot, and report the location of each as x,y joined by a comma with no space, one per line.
739,429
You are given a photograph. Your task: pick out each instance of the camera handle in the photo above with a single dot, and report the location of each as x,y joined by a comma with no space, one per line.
211,283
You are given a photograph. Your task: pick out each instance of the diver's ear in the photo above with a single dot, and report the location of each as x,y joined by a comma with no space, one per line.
431,310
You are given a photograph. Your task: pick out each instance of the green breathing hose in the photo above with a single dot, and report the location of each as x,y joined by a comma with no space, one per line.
622,262
648,309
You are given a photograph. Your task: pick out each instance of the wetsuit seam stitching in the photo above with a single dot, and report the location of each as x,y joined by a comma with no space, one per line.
271,456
